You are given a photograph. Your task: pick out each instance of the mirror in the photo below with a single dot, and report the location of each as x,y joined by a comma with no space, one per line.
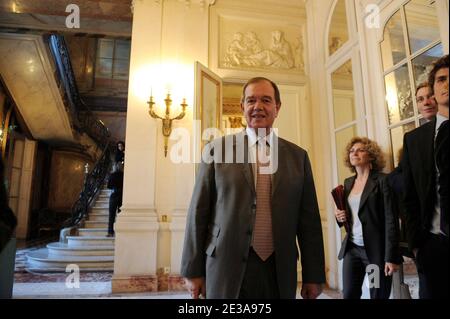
338,32
422,23
233,120
393,45
344,113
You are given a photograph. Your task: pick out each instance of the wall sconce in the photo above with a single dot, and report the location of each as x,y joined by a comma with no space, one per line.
166,120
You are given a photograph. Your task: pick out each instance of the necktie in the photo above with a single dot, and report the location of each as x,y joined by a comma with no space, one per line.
441,157
262,233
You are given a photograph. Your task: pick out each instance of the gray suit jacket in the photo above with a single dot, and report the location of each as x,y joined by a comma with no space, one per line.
222,213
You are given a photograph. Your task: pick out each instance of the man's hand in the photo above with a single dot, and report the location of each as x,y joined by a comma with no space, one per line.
390,268
311,291
196,287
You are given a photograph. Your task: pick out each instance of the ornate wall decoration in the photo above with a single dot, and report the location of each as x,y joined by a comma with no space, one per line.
266,42
268,50
231,106
335,44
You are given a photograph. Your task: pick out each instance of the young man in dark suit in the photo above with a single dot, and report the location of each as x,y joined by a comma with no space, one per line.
425,168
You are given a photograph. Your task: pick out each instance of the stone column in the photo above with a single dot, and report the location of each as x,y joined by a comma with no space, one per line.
137,225
168,37
177,228
25,159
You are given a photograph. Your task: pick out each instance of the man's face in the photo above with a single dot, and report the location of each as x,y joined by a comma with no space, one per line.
259,106
441,87
426,103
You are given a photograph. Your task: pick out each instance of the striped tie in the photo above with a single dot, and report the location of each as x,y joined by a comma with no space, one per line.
262,233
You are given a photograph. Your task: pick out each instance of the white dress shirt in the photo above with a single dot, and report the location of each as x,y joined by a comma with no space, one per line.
436,221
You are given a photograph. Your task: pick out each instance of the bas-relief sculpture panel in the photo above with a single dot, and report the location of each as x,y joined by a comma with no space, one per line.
247,47
247,50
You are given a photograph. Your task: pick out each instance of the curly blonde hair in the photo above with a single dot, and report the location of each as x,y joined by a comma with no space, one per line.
376,155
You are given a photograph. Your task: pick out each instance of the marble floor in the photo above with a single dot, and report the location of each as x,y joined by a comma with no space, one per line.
91,284
98,284
102,289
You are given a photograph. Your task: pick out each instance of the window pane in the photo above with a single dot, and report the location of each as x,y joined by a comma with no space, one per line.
121,68
398,95
343,137
343,95
393,45
397,139
423,26
338,33
105,48
422,121
122,50
422,64
104,68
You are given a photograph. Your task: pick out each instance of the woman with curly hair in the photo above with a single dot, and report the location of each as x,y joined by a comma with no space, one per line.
372,244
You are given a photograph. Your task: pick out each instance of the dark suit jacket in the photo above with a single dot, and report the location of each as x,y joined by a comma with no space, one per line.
419,175
397,186
222,213
8,220
379,221
115,181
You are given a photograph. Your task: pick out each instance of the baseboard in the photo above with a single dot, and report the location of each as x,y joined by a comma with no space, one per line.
121,284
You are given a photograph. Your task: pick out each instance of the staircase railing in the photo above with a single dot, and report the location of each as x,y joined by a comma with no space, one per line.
92,185
84,121
82,117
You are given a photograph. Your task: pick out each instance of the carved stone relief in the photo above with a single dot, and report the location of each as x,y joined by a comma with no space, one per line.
246,50
232,114
335,44
231,106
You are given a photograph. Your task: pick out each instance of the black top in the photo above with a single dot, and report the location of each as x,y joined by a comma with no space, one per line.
8,220
116,181
120,156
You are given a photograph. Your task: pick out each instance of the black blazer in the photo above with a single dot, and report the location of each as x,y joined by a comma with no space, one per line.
378,218
419,174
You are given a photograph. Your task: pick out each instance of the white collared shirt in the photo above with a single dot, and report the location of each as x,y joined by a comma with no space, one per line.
252,147
436,221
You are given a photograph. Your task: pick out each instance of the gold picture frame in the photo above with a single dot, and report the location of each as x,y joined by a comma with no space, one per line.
208,105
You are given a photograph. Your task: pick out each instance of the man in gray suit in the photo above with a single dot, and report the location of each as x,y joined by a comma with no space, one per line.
244,217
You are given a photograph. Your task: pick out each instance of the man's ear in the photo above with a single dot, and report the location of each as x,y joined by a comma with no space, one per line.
242,107
278,107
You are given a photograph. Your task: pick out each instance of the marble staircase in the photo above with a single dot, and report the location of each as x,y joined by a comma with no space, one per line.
89,248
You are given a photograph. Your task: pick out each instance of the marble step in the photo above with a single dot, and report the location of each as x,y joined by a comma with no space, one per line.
99,217
106,192
95,224
102,201
103,198
62,249
77,241
41,261
93,231
96,210
101,205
